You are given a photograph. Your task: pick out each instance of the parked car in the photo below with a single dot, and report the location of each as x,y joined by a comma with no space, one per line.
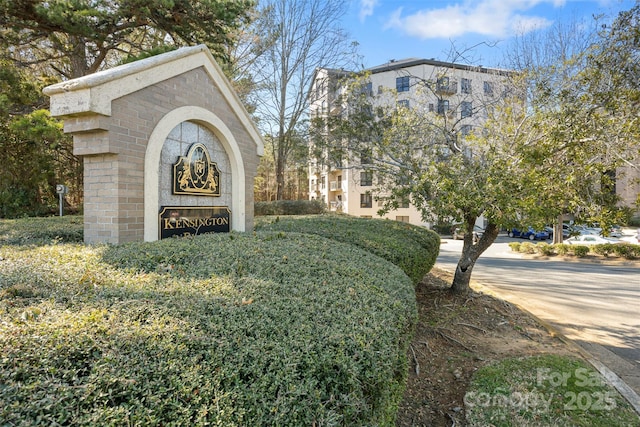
589,239
458,232
583,229
568,230
615,231
530,234
565,231
549,231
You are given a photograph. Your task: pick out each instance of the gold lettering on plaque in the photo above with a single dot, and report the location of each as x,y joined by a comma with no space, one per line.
193,220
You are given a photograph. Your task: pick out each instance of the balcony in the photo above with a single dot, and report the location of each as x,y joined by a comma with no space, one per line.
335,205
335,186
444,86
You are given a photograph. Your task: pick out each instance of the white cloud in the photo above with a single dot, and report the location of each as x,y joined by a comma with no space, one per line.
523,24
366,8
491,18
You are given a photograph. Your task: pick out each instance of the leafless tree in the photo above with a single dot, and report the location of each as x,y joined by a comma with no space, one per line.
305,35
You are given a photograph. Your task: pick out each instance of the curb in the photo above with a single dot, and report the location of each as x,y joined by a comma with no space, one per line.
610,261
612,378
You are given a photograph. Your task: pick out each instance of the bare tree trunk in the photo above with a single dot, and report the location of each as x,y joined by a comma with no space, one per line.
304,35
557,231
280,168
470,253
78,61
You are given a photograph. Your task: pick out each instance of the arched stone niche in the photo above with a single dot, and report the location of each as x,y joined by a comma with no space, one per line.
171,138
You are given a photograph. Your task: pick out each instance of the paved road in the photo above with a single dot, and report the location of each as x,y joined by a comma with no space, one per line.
595,305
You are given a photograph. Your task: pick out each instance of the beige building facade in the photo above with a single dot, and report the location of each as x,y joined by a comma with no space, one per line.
458,91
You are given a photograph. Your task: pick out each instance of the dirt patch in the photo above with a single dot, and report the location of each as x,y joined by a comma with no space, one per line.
455,336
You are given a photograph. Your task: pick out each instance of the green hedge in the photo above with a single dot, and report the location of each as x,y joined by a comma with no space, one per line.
412,248
580,251
38,231
624,250
627,250
260,329
289,207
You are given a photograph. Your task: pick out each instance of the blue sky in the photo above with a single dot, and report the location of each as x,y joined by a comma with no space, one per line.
398,29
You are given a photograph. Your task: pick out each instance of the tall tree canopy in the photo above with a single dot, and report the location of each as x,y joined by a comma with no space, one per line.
34,152
44,41
79,37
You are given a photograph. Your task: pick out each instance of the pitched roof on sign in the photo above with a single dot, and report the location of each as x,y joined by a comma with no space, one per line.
94,93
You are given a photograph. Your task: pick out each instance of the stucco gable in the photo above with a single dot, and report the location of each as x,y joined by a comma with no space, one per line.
94,94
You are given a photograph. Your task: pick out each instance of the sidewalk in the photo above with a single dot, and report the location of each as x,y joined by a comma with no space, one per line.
620,373
623,374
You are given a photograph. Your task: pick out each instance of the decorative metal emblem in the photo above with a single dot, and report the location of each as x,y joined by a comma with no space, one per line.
196,174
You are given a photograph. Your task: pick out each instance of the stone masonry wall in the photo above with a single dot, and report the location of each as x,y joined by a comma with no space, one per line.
119,143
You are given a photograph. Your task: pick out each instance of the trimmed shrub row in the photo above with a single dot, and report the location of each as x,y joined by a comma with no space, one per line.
412,248
623,250
289,207
41,231
262,329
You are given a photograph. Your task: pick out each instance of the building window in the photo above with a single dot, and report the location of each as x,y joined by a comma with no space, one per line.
442,83
609,182
366,111
446,86
431,108
402,218
324,182
403,203
366,179
319,90
465,130
366,200
402,84
380,89
488,88
367,89
465,86
336,159
365,157
403,103
466,109
443,106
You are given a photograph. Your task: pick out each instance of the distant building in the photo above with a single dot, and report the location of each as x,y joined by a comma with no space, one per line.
459,91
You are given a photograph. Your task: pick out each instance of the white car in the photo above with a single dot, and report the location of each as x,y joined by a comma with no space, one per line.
615,231
589,239
583,229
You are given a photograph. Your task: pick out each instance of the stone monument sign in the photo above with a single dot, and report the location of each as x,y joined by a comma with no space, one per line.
167,147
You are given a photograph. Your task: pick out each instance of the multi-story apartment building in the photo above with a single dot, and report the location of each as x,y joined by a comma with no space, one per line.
460,92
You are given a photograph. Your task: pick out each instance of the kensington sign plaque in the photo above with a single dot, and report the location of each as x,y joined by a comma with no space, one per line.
177,221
